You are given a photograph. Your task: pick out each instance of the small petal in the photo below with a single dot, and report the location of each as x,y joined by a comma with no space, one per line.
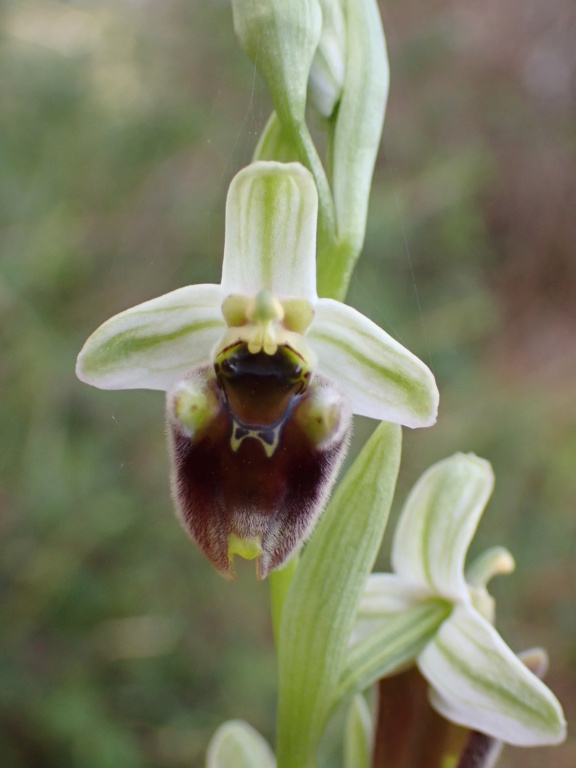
270,243
437,524
382,379
237,745
154,344
478,682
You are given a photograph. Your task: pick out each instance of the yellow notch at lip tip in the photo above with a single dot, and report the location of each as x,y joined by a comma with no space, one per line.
249,548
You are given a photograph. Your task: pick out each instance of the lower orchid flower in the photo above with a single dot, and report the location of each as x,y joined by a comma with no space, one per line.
475,679
261,376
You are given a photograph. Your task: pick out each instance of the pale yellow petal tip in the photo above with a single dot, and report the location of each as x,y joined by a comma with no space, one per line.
537,661
496,561
249,548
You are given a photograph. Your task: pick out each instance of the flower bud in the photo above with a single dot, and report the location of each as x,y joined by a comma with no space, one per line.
328,69
280,38
358,127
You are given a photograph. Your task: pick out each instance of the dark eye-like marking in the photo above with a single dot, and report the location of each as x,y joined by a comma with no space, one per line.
286,366
228,367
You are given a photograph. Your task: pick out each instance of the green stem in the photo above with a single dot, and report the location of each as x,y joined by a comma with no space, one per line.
334,270
336,256
327,227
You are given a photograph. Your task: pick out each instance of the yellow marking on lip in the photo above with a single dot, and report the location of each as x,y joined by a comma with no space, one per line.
246,432
249,548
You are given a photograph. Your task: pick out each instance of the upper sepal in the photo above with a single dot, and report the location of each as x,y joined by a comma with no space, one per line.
438,522
270,244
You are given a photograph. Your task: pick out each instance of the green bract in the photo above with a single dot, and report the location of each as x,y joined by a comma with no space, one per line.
475,679
323,597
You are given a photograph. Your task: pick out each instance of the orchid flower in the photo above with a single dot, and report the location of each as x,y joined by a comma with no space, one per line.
261,376
475,679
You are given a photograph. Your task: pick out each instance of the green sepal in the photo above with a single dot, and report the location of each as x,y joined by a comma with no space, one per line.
270,243
155,344
396,642
323,598
478,682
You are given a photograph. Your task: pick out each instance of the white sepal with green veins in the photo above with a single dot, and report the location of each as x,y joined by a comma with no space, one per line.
475,679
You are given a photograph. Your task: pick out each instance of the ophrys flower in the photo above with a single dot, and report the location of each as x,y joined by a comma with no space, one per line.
261,376
475,679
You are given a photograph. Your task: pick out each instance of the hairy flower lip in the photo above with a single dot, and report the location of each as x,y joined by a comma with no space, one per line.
254,482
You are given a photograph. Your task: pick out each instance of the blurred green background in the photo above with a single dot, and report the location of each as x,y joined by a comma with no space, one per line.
121,126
